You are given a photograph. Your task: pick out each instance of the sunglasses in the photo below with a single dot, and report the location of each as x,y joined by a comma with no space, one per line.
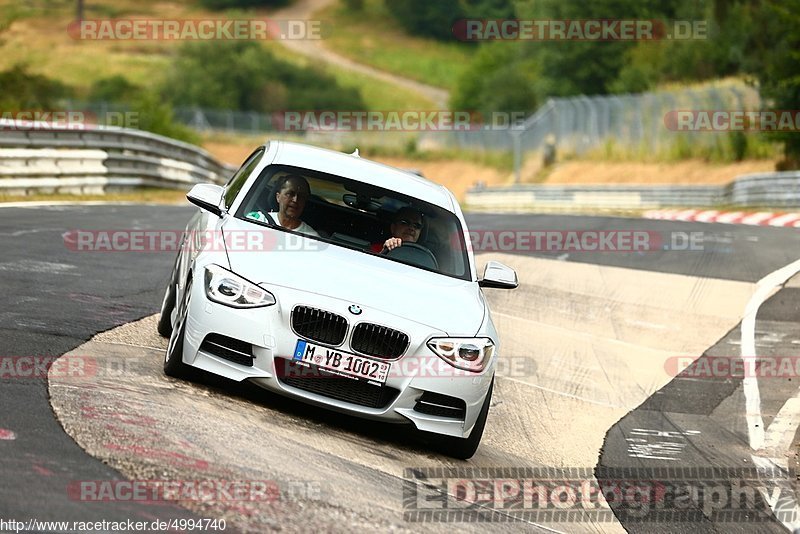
406,222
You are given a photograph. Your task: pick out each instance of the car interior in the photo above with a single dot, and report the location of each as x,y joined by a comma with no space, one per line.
357,215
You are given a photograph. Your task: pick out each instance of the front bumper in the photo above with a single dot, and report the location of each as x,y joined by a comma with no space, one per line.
272,340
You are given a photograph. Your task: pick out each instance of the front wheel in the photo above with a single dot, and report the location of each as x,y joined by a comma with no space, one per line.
168,304
173,359
464,448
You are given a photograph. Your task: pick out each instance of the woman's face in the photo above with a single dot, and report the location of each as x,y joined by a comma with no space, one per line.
407,227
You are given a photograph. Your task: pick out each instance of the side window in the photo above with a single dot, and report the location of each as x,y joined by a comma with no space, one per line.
237,180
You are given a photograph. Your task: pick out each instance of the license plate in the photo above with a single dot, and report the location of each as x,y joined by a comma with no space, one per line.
342,363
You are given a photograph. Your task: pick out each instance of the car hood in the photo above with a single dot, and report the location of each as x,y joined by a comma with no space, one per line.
289,260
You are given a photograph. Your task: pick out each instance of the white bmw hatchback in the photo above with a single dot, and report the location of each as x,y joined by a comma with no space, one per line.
342,283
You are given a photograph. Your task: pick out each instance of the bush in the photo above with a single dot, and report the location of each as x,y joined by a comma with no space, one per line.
114,89
242,75
428,18
21,90
156,116
354,5
232,4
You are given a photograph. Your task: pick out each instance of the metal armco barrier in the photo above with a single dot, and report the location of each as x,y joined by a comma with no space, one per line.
45,158
776,189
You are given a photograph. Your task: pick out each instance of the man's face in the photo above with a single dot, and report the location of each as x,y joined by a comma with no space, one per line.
407,227
292,199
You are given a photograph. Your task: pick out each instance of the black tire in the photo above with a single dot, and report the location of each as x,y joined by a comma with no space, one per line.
173,357
464,448
167,305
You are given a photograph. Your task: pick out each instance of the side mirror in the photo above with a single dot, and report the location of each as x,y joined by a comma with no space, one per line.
207,197
498,276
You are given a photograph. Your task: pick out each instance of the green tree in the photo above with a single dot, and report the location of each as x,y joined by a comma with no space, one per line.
487,9
428,18
722,53
498,80
774,58
566,68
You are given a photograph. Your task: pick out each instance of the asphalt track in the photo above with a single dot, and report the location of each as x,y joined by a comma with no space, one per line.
54,299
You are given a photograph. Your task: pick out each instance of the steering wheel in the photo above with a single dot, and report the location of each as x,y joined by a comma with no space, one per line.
414,254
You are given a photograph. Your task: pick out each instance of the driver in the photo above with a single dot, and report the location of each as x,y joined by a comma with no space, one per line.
406,227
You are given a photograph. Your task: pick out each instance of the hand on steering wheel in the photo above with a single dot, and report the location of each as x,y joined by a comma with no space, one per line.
392,243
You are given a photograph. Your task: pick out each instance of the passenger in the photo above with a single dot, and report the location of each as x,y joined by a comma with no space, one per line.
406,227
292,193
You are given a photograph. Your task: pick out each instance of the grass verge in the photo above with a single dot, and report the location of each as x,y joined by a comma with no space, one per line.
372,37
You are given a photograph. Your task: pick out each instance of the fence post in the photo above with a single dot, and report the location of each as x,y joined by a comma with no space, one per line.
516,136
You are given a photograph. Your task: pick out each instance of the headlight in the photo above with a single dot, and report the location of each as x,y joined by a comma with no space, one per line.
467,353
232,290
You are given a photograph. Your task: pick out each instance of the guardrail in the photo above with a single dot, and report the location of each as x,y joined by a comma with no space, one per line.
51,159
777,189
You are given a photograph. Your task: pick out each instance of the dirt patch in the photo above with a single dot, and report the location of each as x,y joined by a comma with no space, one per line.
457,176
682,172
232,153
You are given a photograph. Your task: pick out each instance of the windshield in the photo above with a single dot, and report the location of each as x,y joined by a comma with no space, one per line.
358,216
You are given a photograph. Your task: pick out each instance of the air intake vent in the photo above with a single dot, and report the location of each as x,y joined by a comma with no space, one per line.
319,325
380,341
229,349
441,405
337,387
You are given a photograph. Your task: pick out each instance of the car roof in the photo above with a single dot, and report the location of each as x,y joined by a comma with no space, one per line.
362,170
